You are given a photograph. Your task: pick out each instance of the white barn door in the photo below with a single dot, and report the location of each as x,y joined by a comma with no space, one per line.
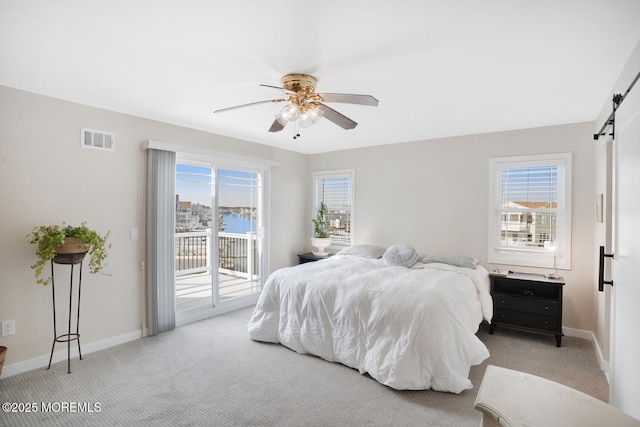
625,337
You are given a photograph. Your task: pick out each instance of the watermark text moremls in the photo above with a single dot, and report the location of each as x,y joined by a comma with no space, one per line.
55,407
71,407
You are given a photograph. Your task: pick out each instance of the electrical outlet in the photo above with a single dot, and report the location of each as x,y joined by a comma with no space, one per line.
8,327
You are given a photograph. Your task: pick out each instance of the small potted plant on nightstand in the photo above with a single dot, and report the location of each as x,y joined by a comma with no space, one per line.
321,239
53,240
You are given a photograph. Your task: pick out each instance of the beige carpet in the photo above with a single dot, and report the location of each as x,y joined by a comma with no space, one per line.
211,374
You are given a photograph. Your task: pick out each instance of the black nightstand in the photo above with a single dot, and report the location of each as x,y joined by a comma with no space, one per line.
310,257
529,302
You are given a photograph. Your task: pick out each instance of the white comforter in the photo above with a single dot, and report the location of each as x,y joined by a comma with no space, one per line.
409,328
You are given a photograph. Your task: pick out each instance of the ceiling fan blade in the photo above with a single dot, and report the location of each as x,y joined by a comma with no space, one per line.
348,98
277,87
276,126
222,110
337,118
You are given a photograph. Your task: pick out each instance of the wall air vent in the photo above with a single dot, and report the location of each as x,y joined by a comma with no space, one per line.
97,139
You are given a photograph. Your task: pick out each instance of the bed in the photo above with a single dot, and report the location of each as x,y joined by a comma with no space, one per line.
408,323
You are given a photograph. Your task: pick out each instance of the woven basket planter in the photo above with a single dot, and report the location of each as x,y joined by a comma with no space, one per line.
72,251
72,245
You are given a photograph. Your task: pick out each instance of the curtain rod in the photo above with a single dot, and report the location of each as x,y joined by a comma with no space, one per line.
617,100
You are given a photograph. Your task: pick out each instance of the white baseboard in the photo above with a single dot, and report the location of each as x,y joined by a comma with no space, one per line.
578,333
61,354
604,364
588,335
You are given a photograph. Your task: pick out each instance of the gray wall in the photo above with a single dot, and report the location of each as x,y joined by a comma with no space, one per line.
434,195
47,178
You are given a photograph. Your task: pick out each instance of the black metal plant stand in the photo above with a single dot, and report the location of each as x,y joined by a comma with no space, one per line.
69,259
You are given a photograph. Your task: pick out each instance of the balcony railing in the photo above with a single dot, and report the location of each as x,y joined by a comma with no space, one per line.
237,268
192,252
237,253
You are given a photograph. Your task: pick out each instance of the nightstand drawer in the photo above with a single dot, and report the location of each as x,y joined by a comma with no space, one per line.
526,320
526,304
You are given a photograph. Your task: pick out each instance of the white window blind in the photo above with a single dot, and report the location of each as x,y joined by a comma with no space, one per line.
335,189
530,217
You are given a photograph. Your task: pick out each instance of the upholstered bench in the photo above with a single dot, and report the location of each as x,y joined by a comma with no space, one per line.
510,398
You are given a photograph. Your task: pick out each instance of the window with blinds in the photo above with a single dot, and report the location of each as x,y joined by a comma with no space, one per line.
336,189
530,211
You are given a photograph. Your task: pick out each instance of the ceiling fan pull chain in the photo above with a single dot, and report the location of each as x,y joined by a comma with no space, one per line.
296,128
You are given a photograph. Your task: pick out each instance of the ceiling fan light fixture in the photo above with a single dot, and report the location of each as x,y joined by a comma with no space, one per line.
313,113
310,115
290,112
281,119
302,113
305,121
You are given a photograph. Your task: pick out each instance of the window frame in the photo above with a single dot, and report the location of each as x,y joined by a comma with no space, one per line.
561,257
338,173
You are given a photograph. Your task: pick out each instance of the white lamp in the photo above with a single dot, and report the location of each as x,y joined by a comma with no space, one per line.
551,246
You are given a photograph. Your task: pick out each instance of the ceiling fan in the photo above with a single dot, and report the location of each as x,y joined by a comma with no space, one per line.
305,107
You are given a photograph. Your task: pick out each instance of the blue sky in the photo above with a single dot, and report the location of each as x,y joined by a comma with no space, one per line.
236,188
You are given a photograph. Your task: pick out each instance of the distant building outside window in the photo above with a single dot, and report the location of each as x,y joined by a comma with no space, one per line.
336,188
530,211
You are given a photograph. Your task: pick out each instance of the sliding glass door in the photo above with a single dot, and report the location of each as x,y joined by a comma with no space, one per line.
218,236
239,237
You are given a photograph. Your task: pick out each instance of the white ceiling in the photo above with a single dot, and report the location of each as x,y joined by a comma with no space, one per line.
439,68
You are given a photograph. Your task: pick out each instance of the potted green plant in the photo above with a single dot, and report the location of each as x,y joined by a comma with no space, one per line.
53,240
321,239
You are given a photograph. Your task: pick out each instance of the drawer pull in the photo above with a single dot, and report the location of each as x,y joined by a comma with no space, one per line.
546,307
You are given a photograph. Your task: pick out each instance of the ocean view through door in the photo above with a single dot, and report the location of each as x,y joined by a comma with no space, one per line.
217,235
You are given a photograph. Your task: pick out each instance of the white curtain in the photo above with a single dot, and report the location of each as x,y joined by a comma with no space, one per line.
160,226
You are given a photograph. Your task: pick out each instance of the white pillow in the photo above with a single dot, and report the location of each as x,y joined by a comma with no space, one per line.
402,255
457,260
364,251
